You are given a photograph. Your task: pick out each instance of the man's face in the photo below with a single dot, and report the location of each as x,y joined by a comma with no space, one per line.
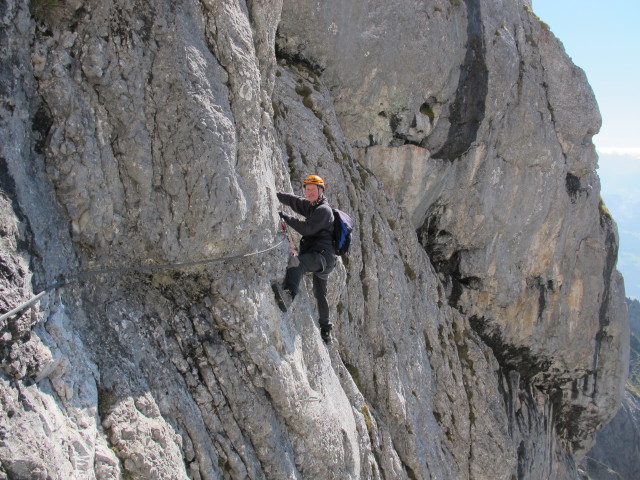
312,192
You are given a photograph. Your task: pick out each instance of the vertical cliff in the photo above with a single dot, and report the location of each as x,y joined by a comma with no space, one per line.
480,322
616,453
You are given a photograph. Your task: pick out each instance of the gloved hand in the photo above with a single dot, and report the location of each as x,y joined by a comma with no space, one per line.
284,216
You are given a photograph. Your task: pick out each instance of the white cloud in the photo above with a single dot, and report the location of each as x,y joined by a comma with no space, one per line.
619,168
633,152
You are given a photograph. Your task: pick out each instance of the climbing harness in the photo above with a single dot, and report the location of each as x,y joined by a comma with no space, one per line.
142,268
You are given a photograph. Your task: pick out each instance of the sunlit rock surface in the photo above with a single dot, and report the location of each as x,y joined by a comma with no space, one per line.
480,326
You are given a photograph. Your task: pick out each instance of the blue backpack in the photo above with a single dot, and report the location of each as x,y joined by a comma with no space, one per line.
342,228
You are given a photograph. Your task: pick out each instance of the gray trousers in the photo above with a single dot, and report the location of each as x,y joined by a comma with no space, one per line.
321,266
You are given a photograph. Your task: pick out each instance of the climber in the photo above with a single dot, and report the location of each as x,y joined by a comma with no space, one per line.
316,255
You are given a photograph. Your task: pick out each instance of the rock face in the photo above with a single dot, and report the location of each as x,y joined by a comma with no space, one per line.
616,453
617,449
481,330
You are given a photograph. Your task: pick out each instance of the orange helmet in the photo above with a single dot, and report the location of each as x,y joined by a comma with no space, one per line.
314,180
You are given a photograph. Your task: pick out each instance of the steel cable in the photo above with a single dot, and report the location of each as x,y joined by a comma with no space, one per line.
141,268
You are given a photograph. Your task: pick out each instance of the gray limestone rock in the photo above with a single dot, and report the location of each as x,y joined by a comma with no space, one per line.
480,330
616,453
507,202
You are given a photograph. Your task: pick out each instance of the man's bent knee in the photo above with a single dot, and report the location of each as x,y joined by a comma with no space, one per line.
293,262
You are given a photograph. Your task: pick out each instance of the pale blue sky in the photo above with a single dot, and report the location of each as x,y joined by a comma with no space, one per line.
603,38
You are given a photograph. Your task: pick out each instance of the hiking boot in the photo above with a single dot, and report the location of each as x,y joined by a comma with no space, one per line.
326,336
284,297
